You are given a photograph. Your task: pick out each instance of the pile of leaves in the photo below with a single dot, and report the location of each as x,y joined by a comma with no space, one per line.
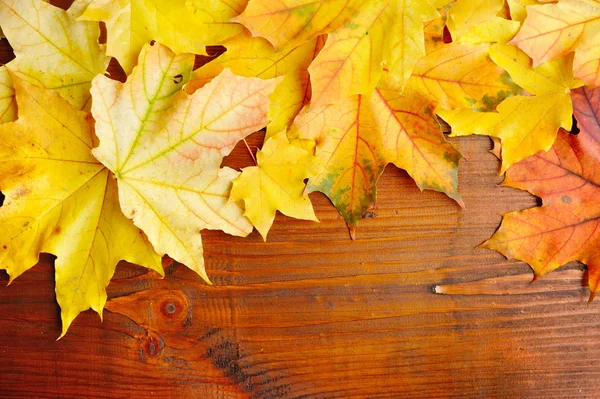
96,171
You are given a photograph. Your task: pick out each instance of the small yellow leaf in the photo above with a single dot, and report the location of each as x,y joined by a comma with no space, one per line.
276,183
165,147
52,49
61,200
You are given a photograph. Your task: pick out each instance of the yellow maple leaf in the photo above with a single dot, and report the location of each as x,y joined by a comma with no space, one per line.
382,34
496,30
255,57
525,124
461,75
363,39
165,148
359,136
52,49
434,29
8,104
518,11
551,31
586,65
464,15
276,183
186,26
61,200
289,23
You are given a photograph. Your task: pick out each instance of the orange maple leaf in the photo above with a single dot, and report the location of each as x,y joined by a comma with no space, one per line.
567,226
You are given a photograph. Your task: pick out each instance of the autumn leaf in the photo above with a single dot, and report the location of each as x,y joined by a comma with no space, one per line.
184,26
434,29
165,148
551,31
464,15
526,124
566,227
52,49
382,34
518,10
61,200
289,23
461,75
8,104
363,39
358,137
587,68
255,57
276,183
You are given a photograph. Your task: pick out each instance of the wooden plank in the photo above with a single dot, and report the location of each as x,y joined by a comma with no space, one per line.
411,309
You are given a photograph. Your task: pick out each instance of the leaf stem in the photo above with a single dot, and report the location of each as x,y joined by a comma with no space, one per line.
251,153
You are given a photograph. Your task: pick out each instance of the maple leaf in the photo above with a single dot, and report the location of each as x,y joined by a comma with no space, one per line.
587,68
551,31
461,75
255,57
184,26
61,200
518,11
52,49
465,15
434,29
165,148
276,183
363,38
525,124
8,104
289,23
382,34
359,136
566,227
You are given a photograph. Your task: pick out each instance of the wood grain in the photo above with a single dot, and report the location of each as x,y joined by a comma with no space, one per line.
411,309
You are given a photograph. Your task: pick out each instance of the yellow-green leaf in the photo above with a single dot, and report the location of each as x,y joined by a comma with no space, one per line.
61,200
165,147
276,183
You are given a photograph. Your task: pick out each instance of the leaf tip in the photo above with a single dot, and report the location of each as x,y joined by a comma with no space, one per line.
352,231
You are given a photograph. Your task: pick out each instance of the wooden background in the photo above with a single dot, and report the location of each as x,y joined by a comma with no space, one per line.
411,309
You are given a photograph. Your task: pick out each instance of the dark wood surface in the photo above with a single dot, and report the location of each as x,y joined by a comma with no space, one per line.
411,309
